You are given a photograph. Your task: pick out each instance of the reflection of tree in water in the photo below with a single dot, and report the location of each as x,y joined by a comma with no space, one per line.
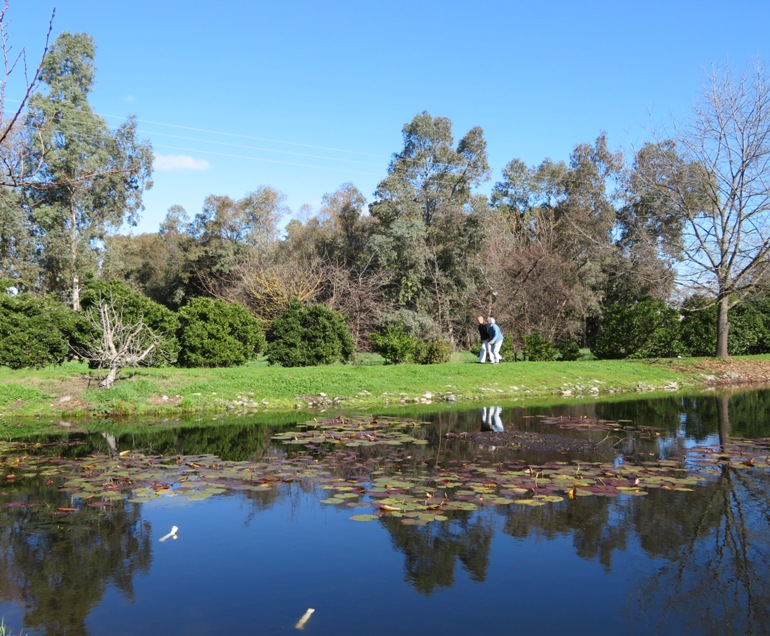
717,543
596,528
60,566
431,551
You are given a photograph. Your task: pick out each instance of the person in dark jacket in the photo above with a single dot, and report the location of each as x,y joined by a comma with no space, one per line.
484,335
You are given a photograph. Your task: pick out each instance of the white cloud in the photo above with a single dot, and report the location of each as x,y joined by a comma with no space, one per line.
175,163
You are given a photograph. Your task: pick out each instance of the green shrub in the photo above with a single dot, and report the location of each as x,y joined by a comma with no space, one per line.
395,345
432,351
34,332
308,335
698,328
569,351
538,349
215,333
134,308
647,329
749,328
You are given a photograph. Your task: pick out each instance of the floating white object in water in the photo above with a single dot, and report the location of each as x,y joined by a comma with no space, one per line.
173,532
301,623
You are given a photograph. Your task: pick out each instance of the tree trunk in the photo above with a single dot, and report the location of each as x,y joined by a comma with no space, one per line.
110,379
76,292
74,258
723,326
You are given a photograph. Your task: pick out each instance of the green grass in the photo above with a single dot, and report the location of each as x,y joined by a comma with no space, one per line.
72,391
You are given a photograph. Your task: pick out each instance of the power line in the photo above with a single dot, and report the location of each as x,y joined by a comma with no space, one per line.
264,160
252,138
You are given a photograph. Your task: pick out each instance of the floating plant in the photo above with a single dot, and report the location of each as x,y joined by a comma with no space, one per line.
379,466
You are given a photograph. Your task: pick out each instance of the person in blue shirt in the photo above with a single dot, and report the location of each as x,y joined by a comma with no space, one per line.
495,340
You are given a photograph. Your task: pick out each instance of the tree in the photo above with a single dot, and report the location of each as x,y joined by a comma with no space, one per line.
428,219
715,180
547,268
18,265
120,342
158,264
16,169
91,179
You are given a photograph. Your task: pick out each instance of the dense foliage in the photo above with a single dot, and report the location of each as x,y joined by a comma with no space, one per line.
308,335
34,332
397,346
647,329
214,333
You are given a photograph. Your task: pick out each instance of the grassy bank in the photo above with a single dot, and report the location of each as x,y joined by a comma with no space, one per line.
71,390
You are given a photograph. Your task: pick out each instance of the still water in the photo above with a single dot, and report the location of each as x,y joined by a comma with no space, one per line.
687,558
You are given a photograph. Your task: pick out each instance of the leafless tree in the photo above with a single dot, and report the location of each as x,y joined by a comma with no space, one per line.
359,295
120,343
14,156
715,178
266,287
532,286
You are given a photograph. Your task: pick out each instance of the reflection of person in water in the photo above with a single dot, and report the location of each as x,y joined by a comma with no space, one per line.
490,419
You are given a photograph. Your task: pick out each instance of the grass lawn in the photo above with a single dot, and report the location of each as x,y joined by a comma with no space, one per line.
71,390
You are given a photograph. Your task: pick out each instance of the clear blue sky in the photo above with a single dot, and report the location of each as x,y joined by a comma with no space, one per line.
305,95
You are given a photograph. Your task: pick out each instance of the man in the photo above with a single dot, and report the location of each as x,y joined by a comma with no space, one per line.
495,341
484,334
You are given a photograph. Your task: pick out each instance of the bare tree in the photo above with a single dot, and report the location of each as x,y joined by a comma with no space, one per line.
265,286
532,287
716,180
359,294
120,342
14,157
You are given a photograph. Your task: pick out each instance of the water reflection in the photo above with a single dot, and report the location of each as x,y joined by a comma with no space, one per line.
58,565
705,552
491,420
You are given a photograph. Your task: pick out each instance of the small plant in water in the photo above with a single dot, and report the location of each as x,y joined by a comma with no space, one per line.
4,631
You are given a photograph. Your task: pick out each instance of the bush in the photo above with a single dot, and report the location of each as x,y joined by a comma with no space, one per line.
134,308
396,346
569,351
750,328
538,349
698,328
34,332
215,333
432,351
304,336
648,329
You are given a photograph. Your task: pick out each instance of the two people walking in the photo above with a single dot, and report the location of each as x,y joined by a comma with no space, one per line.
491,340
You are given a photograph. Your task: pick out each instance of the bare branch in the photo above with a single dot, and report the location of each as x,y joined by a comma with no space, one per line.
119,342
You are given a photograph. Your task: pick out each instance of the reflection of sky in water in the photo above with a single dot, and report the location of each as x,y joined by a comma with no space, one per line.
245,564
230,568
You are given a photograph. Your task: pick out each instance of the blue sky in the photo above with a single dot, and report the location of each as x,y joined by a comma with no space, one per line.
304,95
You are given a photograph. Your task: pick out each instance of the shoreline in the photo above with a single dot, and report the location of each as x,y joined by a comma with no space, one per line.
71,392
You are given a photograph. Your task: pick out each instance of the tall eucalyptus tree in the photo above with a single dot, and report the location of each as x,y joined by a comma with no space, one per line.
91,178
428,219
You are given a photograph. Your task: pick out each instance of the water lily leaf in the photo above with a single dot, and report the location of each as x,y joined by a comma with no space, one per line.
368,517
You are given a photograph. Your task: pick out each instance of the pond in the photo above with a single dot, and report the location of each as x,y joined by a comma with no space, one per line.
626,516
